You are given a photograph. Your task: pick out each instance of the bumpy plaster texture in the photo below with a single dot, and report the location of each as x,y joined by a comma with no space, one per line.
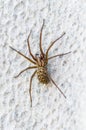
50,110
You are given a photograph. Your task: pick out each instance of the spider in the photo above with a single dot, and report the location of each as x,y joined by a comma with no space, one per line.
40,63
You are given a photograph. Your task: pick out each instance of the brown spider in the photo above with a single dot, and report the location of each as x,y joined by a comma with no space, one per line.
40,62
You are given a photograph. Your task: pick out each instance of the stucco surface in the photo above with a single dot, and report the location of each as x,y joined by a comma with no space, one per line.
50,111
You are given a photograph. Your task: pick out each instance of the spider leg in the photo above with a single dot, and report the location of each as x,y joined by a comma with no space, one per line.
29,47
41,39
53,44
31,86
56,86
31,67
23,55
58,55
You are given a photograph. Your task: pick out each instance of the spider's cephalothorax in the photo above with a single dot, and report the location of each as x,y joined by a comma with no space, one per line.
40,63
41,60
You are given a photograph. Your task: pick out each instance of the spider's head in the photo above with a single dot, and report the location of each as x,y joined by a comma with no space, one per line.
41,59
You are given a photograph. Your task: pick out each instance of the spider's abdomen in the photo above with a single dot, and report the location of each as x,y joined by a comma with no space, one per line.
42,75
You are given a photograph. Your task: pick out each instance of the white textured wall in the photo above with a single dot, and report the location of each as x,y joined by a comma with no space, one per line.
50,110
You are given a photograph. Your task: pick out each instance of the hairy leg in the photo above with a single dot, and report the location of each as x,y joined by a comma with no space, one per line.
23,55
56,86
31,67
52,43
58,55
31,86
41,39
29,47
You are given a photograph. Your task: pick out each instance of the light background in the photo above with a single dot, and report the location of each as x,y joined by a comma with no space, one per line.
50,110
